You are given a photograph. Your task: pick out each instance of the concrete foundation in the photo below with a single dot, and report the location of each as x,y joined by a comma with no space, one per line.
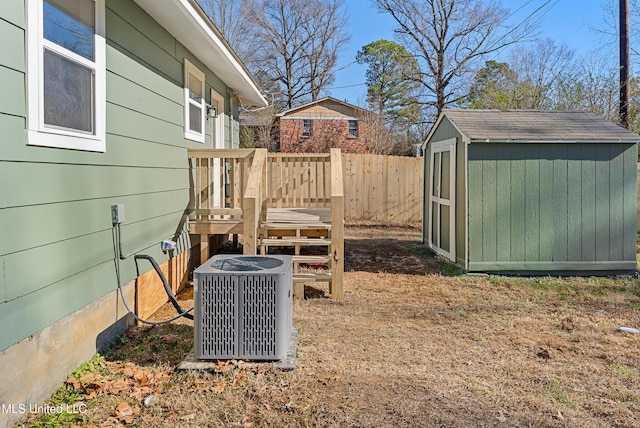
35,367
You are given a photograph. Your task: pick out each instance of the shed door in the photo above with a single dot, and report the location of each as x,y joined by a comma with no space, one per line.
442,198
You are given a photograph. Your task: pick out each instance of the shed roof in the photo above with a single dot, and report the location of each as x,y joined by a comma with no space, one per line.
538,126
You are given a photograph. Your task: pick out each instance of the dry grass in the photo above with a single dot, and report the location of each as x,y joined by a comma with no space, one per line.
411,345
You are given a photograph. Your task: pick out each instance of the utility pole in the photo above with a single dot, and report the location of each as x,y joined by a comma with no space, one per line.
624,64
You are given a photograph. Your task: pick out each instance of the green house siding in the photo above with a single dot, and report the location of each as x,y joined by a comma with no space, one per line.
57,252
552,207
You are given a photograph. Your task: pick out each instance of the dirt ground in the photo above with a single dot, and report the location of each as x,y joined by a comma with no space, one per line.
413,344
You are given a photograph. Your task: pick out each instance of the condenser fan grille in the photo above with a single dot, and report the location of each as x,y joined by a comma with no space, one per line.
245,264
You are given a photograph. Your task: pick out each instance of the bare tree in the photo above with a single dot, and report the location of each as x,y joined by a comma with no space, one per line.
258,128
301,40
448,37
233,19
377,138
609,28
539,70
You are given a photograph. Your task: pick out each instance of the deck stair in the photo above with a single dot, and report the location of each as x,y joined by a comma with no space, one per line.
307,232
273,201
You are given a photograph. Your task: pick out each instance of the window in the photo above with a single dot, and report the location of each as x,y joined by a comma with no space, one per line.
353,128
194,105
66,74
307,127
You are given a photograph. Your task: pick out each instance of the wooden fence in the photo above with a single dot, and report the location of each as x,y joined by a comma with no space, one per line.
383,188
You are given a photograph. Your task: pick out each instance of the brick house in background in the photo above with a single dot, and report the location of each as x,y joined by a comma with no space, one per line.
324,124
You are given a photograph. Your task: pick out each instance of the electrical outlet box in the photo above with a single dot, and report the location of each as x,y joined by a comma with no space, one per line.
168,245
117,213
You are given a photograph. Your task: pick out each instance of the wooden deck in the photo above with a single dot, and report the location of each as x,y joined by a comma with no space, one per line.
272,200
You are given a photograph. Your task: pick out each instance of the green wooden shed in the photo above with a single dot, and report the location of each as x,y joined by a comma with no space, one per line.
531,192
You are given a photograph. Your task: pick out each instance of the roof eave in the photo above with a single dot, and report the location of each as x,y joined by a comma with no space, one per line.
552,141
309,104
186,21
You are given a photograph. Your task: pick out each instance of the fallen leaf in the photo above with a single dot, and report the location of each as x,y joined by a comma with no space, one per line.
139,393
96,390
224,369
126,413
112,422
75,383
116,387
88,378
219,387
190,417
142,377
240,378
124,409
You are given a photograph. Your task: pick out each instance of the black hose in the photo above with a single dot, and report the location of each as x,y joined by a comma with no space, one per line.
165,283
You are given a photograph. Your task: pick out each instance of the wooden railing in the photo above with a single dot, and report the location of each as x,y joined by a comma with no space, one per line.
226,194
296,180
233,189
312,180
219,179
253,207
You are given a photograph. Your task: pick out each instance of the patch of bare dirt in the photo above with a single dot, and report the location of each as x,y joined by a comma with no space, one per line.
376,248
411,347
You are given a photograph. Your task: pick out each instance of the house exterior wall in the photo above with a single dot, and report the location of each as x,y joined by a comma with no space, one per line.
446,131
327,133
552,207
57,252
325,109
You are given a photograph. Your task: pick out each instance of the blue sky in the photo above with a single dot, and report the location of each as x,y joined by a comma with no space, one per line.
568,21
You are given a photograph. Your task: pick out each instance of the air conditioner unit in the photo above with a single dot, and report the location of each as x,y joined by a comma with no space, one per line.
243,307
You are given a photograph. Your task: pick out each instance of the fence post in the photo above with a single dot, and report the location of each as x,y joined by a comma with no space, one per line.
337,225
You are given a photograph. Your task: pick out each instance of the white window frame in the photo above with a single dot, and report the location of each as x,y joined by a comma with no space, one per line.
189,134
39,134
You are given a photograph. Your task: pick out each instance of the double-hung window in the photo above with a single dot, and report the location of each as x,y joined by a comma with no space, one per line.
307,127
66,74
194,103
353,128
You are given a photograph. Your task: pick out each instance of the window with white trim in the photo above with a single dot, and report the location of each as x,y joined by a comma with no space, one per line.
66,74
194,103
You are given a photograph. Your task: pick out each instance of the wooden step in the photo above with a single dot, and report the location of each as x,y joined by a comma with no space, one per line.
311,260
303,242
293,226
311,277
